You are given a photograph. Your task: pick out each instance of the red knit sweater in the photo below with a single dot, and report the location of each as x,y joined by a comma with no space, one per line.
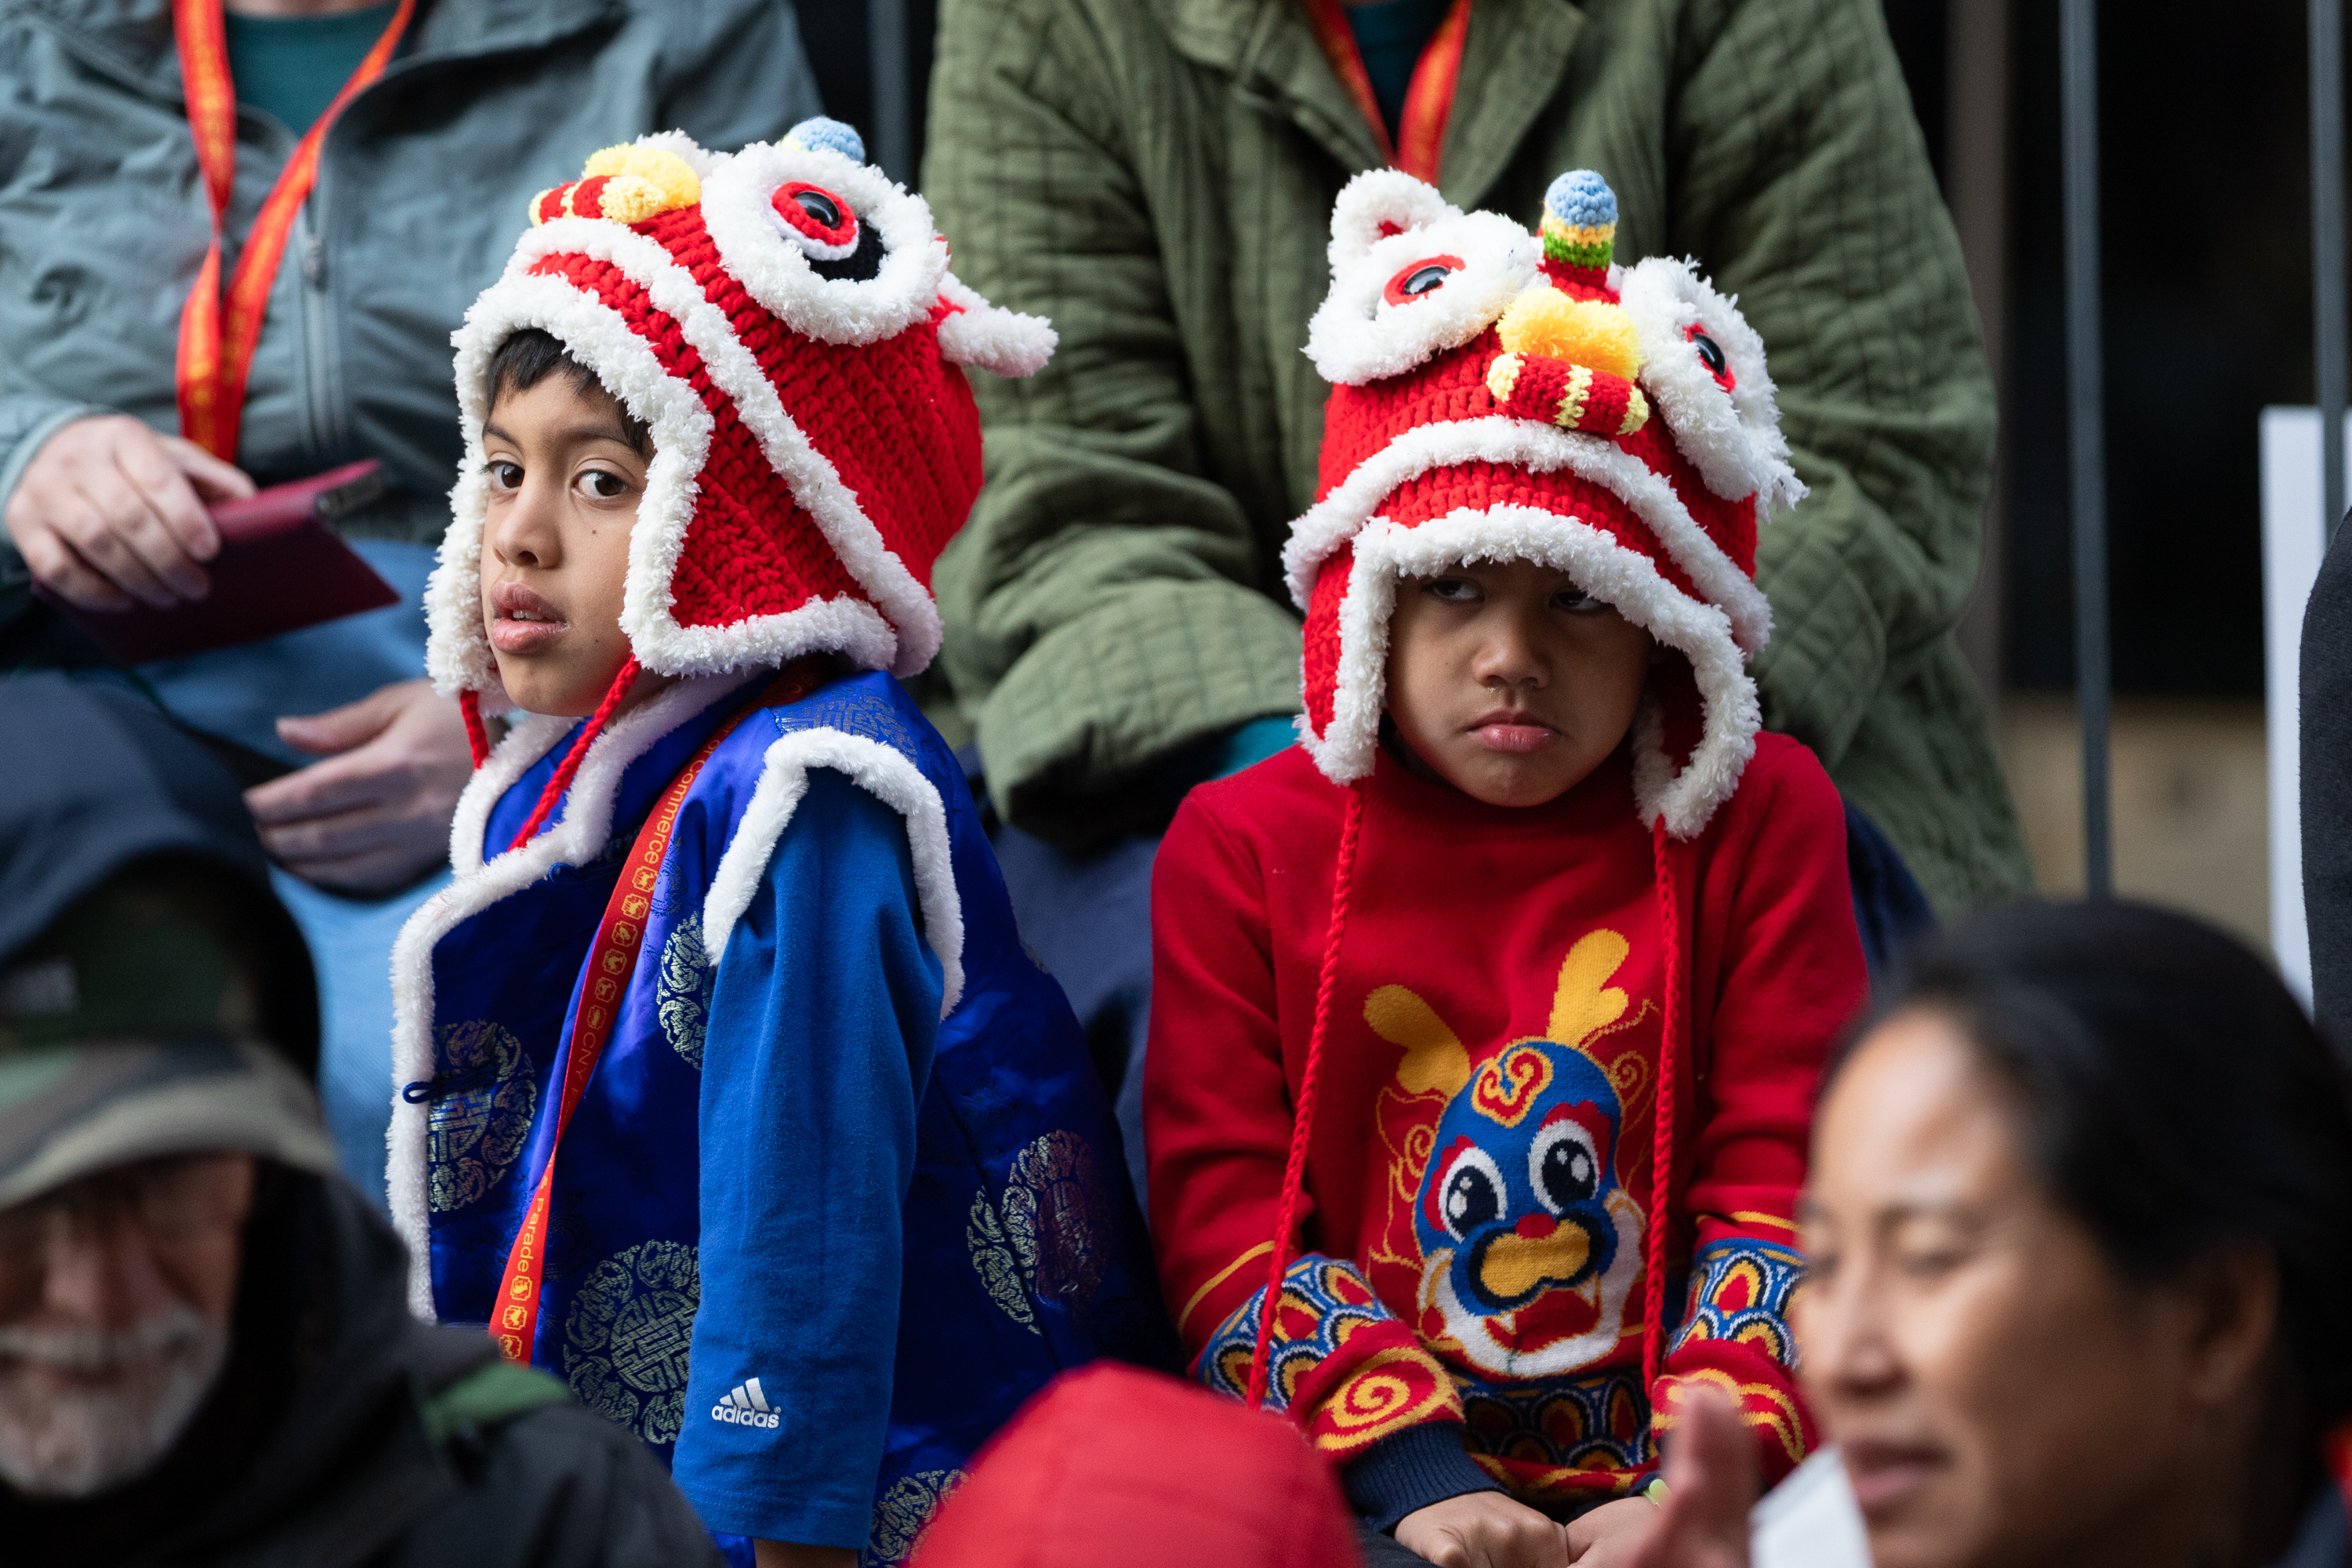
1480,1176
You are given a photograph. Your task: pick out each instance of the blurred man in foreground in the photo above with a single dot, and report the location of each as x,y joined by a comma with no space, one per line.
204,1350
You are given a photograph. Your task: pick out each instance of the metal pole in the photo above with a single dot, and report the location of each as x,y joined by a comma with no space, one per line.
2078,38
893,127
2327,249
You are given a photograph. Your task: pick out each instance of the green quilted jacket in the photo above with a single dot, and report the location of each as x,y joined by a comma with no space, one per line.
1157,176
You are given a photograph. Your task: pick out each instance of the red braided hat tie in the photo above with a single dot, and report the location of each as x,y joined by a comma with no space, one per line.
1662,1158
1302,1126
561,779
478,739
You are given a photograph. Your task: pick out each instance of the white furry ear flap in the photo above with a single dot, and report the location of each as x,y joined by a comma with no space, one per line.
1377,203
989,336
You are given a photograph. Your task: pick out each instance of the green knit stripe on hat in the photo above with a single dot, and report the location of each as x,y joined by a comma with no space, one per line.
1579,221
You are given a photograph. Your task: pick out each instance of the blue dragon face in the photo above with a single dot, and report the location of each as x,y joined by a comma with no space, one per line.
1529,1244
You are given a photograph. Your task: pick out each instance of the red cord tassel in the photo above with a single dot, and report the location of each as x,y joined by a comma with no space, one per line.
478,739
562,780
1662,1158
1302,1126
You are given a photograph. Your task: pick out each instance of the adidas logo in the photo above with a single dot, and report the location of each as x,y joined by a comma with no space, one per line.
746,1406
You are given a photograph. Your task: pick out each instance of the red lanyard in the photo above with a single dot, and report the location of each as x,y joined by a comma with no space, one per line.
1428,99
217,337
515,1316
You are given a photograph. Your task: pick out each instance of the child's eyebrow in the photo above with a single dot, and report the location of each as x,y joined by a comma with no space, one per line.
570,435
614,433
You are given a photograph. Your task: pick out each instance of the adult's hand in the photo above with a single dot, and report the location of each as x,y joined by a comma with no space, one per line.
1483,1529
374,816
1711,1483
109,512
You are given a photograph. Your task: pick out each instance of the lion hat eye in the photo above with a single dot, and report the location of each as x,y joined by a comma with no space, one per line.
1703,365
826,228
1418,279
822,239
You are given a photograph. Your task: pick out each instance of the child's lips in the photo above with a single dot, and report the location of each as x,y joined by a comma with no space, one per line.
522,621
524,636
1513,732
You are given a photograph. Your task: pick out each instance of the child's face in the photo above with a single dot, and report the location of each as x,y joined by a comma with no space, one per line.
1509,682
564,485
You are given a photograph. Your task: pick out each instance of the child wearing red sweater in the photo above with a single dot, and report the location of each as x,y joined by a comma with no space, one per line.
1486,1025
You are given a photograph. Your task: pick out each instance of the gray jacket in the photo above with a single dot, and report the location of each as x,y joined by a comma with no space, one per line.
422,191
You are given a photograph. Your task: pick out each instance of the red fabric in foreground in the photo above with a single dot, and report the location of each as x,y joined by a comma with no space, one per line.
1116,1468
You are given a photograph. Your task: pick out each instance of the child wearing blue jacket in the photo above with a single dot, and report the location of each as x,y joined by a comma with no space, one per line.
727,1092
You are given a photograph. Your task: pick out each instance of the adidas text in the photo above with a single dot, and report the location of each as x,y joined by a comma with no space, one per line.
746,1406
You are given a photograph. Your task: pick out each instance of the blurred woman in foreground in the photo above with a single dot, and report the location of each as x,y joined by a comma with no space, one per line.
2080,1227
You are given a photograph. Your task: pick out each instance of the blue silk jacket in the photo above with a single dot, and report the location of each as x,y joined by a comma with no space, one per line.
1020,1250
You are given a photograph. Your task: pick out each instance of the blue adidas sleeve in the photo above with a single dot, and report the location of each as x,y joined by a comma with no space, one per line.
822,1026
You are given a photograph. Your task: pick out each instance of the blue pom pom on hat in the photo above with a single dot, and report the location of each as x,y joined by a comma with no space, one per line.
1581,199
830,134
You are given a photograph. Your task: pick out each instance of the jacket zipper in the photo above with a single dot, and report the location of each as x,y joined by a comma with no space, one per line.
322,431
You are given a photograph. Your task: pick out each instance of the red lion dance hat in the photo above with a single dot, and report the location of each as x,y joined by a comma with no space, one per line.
1498,395
783,321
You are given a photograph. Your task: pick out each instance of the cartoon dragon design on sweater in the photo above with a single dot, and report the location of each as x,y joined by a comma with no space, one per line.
1529,1242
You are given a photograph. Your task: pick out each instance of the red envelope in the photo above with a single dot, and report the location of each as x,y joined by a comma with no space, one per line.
279,569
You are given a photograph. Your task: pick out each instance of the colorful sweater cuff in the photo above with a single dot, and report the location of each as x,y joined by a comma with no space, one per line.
1411,1469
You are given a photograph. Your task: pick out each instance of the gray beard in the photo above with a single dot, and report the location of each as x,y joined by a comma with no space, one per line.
80,1444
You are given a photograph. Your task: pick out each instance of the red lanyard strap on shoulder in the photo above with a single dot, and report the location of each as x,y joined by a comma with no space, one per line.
515,1314
217,336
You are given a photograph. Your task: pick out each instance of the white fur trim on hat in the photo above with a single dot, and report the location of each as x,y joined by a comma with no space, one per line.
574,839
884,773
1357,335
1376,203
756,251
1733,438
457,649
989,336
686,150
1340,516
660,642
1387,553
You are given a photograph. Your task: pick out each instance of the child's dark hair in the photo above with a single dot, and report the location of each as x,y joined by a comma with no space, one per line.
531,354
2175,1100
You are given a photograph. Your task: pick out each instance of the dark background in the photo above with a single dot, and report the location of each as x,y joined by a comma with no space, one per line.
834,33
2205,228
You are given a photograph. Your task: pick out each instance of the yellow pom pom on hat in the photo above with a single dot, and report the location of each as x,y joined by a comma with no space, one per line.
1545,320
626,184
